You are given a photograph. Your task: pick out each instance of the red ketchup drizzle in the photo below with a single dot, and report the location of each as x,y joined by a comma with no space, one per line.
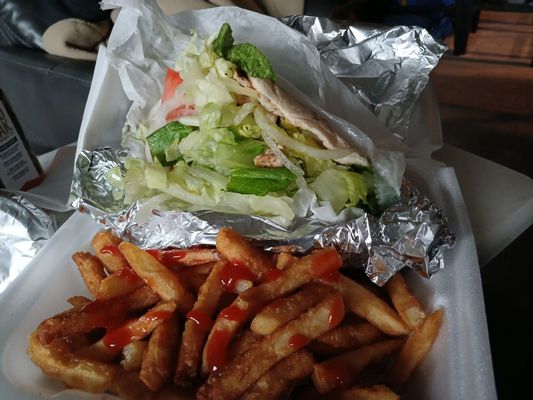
234,313
129,332
327,261
298,341
337,312
272,275
217,349
201,319
110,249
333,277
104,314
169,258
232,273
129,275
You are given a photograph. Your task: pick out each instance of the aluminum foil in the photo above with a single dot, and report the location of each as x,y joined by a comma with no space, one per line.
412,233
24,229
387,68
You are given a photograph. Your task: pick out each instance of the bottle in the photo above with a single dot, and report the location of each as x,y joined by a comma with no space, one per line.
19,168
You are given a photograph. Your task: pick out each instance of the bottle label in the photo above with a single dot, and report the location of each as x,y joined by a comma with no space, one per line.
16,166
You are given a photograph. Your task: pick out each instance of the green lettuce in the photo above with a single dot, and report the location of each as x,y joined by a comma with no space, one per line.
163,138
342,188
260,181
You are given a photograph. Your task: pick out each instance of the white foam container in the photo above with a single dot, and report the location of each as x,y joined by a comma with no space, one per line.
458,367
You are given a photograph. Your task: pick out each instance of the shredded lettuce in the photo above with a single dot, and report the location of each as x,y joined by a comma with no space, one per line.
341,188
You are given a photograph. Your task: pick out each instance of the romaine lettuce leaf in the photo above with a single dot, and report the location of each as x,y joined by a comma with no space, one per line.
223,41
164,137
251,60
260,181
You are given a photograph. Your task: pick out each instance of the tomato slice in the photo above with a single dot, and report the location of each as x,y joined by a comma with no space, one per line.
179,111
172,81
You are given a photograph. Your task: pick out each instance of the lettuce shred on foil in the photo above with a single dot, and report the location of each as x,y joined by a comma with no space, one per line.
224,138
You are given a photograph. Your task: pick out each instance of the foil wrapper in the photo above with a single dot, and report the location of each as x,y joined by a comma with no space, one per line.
412,233
386,67
24,229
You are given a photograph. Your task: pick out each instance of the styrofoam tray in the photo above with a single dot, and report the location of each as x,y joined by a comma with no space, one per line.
458,366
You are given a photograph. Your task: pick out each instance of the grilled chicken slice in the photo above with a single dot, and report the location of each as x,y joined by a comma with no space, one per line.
278,102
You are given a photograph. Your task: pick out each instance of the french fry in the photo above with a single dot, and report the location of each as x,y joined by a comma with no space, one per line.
128,385
105,244
404,301
97,314
57,362
163,281
232,318
377,392
91,270
282,310
416,348
118,284
197,326
240,251
132,355
107,348
78,302
232,380
367,305
175,258
284,260
350,335
342,371
160,356
192,280
243,342
281,377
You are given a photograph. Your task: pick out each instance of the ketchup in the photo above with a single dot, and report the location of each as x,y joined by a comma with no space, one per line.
110,249
298,341
132,331
103,314
129,275
337,312
338,372
272,275
332,277
201,319
169,258
234,313
217,349
232,273
325,261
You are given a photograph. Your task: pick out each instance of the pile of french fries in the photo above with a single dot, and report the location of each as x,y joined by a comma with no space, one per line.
232,322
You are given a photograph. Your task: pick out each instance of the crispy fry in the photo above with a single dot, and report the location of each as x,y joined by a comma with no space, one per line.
78,302
282,310
285,260
404,301
342,371
365,304
281,377
106,247
107,348
416,348
346,336
129,386
160,356
192,280
232,318
57,362
175,258
163,281
91,270
197,326
132,355
235,378
238,250
377,392
97,314
118,284
243,342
